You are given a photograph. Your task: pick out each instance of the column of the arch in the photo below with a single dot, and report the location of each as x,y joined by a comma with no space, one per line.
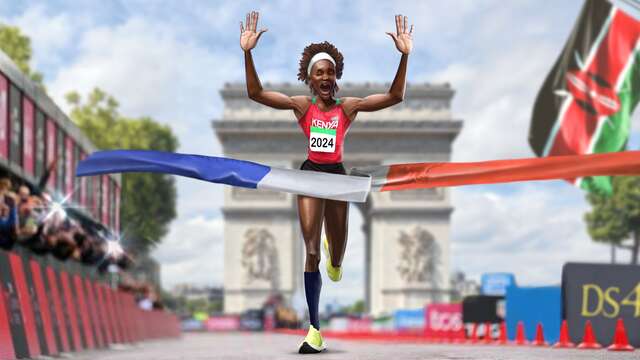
259,234
400,228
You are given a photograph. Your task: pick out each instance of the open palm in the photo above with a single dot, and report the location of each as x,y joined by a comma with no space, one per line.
403,36
248,34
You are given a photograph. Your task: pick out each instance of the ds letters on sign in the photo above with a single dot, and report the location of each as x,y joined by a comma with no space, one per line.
601,293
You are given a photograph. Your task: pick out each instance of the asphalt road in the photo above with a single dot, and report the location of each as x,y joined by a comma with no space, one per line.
257,346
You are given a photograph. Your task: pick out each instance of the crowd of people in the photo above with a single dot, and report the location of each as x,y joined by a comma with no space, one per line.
32,219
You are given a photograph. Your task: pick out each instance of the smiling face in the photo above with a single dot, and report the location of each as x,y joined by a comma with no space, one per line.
323,79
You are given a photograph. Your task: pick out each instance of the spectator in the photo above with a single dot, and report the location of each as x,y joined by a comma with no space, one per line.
27,233
8,214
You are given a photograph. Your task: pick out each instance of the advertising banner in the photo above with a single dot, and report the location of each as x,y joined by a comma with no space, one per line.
28,120
601,293
4,117
481,309
534,305
223,323
359,325
444,320
15,125
409,320
105,199
116,225
51,152
69,170
40,144
496,283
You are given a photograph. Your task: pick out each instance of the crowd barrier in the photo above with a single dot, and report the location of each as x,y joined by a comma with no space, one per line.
48,307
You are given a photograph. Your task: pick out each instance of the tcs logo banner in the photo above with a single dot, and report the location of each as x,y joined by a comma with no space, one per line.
444,318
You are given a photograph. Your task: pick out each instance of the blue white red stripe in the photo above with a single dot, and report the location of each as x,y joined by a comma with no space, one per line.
357,186
228,171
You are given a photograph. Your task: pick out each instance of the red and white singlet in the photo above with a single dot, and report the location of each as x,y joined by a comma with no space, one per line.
326,131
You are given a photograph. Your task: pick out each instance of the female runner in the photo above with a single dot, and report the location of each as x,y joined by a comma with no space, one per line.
324,119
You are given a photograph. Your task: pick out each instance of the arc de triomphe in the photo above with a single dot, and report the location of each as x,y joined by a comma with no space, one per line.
406,232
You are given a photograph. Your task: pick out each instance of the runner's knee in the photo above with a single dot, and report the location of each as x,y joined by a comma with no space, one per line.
312,261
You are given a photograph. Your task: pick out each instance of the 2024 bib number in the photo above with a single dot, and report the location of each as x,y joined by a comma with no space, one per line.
321,142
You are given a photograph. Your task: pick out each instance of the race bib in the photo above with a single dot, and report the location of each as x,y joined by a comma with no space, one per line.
323,138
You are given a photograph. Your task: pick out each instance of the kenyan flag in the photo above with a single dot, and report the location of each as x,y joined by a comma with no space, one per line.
586,102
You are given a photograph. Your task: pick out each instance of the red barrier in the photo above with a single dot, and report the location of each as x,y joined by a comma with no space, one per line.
114,314
71,311
36,273
84,312
24,298
103,313
93,312
58,310
121,316
6,342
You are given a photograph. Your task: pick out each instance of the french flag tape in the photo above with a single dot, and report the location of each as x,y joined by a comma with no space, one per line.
228,171
445,174
356,187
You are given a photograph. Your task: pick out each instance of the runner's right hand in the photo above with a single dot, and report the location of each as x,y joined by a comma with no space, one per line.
248,34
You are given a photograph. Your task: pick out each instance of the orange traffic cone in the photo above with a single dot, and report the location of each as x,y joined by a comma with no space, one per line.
502,339
520,338
474,334
620,340
539,340
588,339
564,341
487,333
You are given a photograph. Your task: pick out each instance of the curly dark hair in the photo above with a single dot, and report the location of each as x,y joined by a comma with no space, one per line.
315,48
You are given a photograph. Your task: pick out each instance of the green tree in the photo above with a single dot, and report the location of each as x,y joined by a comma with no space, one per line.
355,308
616,218
18,48
148,200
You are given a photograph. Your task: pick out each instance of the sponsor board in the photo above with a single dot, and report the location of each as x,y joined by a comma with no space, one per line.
223,323
444,320
496,283
409,319
601,293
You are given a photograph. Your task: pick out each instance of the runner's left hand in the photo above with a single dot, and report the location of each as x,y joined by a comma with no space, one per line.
403,36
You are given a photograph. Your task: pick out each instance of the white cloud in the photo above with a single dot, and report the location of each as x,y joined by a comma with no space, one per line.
49,34
192,252
528,229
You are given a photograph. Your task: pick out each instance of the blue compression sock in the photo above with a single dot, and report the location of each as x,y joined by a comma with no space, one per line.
312,286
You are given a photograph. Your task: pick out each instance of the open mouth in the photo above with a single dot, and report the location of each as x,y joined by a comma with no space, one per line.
325,87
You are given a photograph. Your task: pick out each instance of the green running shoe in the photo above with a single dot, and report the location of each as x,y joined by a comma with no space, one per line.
312,343
334,273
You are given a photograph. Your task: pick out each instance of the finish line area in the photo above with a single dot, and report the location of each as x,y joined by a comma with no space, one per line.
266,345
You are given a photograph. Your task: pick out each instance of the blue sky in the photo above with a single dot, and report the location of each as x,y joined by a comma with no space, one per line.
168,59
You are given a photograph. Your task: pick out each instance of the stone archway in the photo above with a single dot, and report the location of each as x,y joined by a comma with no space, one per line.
397,225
